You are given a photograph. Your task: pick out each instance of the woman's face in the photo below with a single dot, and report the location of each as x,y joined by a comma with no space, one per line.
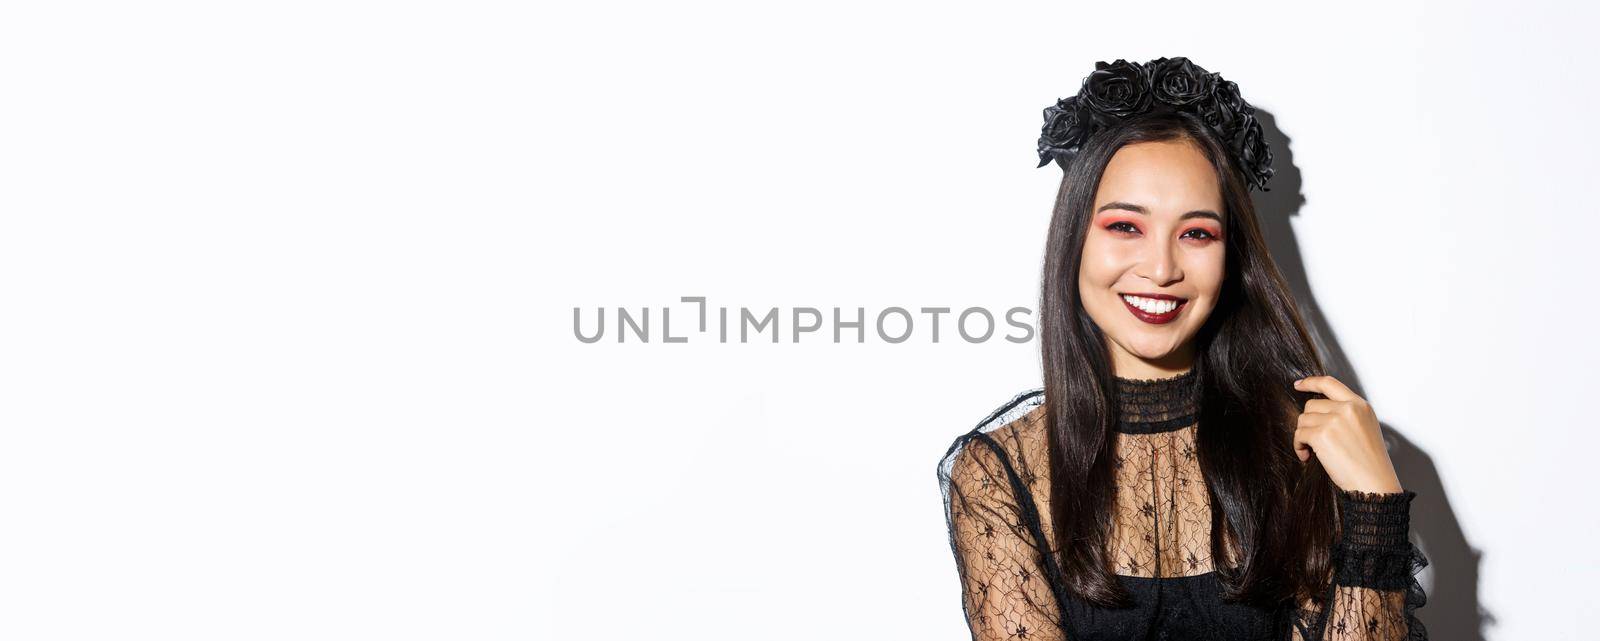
1156,230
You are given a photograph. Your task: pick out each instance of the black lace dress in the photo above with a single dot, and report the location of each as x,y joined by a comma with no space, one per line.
996,496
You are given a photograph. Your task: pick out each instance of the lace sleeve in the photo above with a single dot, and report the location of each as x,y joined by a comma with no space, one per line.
1005,595
1374,593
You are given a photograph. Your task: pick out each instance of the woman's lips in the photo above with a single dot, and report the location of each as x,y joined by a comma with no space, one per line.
1153,319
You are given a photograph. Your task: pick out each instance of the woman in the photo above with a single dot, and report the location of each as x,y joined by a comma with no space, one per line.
1184,472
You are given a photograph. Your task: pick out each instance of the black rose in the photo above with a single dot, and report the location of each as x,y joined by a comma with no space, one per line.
1223,109
1178,82
1117,90
1255,157
1064,130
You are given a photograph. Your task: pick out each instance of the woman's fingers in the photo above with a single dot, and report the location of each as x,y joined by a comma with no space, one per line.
1327,386
1322,406
1307,433
1343,432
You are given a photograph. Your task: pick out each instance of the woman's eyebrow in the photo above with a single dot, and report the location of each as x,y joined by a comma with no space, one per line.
1140,209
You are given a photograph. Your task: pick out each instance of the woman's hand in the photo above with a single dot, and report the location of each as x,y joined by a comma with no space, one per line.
1342,431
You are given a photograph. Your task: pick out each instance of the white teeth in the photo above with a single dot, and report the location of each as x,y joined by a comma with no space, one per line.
1151,305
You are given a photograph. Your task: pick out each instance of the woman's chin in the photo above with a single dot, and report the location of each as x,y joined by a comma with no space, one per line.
1149,352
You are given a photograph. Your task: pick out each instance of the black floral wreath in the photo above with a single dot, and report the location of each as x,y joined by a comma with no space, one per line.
1122,90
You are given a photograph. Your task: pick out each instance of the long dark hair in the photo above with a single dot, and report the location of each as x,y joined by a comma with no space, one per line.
1271,513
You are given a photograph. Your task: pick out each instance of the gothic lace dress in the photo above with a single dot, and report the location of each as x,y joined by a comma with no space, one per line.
996,499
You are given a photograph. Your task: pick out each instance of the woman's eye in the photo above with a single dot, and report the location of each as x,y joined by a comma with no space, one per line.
1205,235
1122,226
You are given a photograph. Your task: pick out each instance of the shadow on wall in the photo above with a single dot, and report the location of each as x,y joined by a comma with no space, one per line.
1451,578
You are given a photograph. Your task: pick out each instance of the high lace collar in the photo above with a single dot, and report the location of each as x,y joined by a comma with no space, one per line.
1151,405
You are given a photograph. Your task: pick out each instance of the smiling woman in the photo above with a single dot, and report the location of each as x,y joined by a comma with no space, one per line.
1145,263
1184,472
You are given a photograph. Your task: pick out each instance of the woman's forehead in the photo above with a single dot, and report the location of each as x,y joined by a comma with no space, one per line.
1165,178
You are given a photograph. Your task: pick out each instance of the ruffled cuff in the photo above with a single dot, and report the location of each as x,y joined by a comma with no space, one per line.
1375,545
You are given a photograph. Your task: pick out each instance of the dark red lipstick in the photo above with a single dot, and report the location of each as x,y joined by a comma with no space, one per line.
1154,319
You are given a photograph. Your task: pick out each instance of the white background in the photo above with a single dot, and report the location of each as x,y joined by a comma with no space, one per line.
287,350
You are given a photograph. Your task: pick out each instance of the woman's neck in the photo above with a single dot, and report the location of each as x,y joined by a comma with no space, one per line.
1127,365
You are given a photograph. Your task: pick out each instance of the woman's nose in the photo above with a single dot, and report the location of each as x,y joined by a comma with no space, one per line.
1161,263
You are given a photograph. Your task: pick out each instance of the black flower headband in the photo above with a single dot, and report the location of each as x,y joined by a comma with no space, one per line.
1123,90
